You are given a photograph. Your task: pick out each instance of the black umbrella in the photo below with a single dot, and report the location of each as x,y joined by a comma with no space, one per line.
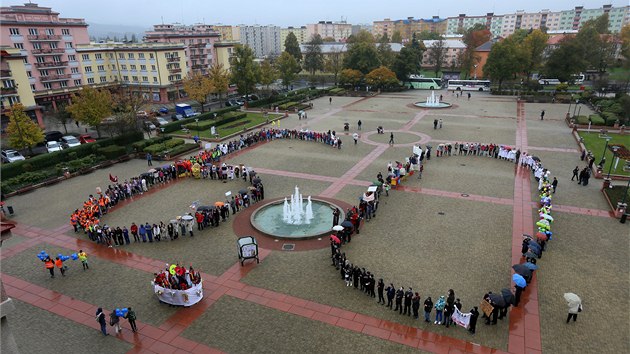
522,270
535,158
497,300
534,245
252,173
243,191
205,207
347,223
507,296
256,180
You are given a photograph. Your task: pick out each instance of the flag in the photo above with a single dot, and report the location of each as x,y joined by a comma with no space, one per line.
461,319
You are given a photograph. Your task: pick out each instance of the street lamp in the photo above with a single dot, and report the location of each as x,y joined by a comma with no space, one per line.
476,65
601,162
611,161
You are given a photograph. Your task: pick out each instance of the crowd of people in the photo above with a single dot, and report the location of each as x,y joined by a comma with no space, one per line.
177,277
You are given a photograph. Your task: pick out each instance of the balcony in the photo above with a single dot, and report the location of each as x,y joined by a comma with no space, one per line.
52,64
5,73
175,70
172,59
48,51
43,37
59,77
8,91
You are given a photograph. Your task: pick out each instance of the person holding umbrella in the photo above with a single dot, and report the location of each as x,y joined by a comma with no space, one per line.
520,284
575,305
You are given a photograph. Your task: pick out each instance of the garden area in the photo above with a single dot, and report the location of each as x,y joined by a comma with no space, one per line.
596,144
230,123
615,194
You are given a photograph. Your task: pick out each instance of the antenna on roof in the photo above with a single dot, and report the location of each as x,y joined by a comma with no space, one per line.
162,19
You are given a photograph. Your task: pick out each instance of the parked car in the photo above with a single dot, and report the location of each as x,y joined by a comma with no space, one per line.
149,125
234,102
86,139
54,135
249,98
11,156
176,117
163,110
69,141
549,82
53,146
142,114
161,121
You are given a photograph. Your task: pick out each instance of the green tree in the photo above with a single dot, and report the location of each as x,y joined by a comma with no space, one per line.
534,44
245,71
473,38
287,67
334,63
385,53
503,61
63,116
409,59
124,107
565,60
362,53
362,36
313,57
396,37
91,106
292,47
381,77
437,55
428,35
625,44
268,73
198,87
22,131
350,77
220,80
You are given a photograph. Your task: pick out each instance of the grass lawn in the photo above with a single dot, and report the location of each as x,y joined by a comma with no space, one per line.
615,194
618,74
596,144
252,119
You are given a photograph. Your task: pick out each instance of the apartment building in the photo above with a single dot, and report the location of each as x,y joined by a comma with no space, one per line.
228,33
453,48
47,44
300,33
15,86
153,70
383,27
408,27
263,40
339,31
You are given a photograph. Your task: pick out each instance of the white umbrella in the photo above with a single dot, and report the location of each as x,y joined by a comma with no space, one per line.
368,198
338,228
187,217
547,216
572,299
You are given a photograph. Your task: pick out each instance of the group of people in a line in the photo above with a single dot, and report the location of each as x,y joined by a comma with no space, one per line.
51,263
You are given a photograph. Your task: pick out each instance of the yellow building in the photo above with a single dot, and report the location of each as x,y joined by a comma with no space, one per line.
300,33
224,51
154,70
15,87
228,33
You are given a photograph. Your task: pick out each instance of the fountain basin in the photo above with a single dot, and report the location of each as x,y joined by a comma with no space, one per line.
433,105
268,220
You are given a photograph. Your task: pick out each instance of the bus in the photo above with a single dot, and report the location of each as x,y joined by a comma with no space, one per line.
469,85
425,83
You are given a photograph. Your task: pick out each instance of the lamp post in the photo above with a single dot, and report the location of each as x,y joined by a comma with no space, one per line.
575,107
476,65
611,161
601,162
163,141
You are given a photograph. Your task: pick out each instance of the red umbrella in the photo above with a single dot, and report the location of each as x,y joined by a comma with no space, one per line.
541,236
335,239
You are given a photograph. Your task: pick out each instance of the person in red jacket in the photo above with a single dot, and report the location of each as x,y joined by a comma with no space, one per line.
134,232
199,218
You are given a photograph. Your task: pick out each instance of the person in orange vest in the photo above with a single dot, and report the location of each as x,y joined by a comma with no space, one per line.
74,219
48,263
59,264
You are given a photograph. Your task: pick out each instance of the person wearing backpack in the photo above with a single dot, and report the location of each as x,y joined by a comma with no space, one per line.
114,321
131,317
100,318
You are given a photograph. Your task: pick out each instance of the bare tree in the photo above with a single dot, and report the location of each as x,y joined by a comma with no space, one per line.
437,55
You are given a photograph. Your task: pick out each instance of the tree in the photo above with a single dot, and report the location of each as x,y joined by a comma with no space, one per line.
125,106
437,54
292,47
409,60
90,107
220,80
350,77
63,116
244,71
362,54
396,37
503,61
287,66
362,36
534,44
428,35
22,131
198,87
625,43
329,40
268,73
566,60
334,63
473,38
385,54
313,58
381,77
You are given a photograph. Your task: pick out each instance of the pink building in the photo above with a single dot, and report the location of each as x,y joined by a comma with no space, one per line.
47,42
199,40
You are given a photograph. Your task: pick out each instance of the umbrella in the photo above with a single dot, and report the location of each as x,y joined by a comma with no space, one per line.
519,280
152,170
256,180
251,188
547,216
530,265
219,204
205,207
173,221
368,198
338,228
530,255
507,296
377,183
542,236
346,223
522,270
243,191
536,251
335,239
572,299
535,158
252,173
187,217
497,300
543,221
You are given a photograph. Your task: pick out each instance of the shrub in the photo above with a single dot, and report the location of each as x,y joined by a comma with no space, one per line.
610,118
596,120
173,143
183,148
138,146
562,87
112,152
286,106
582,120
27,178
201,125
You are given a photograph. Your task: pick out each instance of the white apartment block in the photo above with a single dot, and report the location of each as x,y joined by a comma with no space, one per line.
264,40
339,31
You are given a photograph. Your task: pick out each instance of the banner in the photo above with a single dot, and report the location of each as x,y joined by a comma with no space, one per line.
461,319
486,307
179,297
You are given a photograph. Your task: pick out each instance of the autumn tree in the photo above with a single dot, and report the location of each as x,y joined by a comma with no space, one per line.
90,106
381,77
22,131
63,116
473,38
292,47
198,87
437,54
268,73
220,78
396,37
334,63
409,60
362,54
286,65
625,43
245,71
313,57
350,77
124,108
534,45
503,62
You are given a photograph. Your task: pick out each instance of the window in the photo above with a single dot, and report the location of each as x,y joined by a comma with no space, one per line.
14,99
18,45
77,82
32,87
65,31
47,85
121,56
145,79
101,68
29,74
68,45
72,57
40,59
130,55
103,79
14,31
150,55
43,72
141,56
123,67
32,31
25,61
143,67
50,31
74,70
53,45
85,57
90,80
134,78
60,71
63,84
110,55
126,78
98,56
155,80
88,69
8,83
152,67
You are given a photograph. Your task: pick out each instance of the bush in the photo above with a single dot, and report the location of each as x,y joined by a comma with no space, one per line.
112,152
582,120
610,118
173,143
140,145
25,179
286,106
156,149
175,126
183,148
201,125
596,119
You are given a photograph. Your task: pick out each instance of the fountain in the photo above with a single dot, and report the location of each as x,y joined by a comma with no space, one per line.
432,101
293,217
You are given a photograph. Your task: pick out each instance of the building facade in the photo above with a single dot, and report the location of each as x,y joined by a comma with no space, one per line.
339,31
453,48
263,40
384,27
408,27
47,43
228,33
300,33
15,86
152,70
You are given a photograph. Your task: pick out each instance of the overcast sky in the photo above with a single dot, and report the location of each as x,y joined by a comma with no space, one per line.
291,12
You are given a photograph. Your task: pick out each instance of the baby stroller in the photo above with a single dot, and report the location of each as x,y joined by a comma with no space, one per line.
346,127
379,130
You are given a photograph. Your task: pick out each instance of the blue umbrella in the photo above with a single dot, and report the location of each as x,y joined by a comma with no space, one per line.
530,265
519,280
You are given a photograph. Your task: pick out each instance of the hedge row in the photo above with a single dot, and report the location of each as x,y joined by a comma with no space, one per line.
183,148
167,145
140,145
175,126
